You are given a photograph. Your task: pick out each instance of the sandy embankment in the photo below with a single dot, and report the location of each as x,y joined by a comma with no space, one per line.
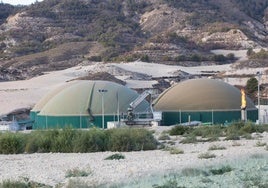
25,94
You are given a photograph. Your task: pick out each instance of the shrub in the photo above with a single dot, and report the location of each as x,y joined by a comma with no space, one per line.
12,184
210,139
175,151
168,184
215,147
254,180
93,140
260,144
45,140
171,142
130,139
221,170
115,156
248,128
208,131
31,144
247,136
233,136
236,144
11,143
71,140
63,142
206,155
95,58
25,183
257,156
180,130
76,173
77,183
234,128
193,172
188,140
164,137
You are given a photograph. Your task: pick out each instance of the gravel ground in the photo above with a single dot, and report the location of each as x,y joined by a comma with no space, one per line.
51,168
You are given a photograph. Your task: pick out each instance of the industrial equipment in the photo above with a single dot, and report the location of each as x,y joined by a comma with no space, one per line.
145,118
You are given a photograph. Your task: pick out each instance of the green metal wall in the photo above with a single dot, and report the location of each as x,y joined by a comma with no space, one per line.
215,117
48,122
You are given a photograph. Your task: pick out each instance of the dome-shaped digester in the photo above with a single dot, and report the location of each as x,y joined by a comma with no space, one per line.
41,103
203,100
84,103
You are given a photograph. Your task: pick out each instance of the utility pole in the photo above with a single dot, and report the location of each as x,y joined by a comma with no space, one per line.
102,92
259,78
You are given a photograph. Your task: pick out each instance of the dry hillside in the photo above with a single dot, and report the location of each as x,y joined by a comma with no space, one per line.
55,34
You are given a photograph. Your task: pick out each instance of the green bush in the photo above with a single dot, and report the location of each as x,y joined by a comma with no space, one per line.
216,147
233,136
221,170
93,140
206,155
248,128
71,140
163,137
260,144
180,130
64,140
76,173
115,156
11,143
189,139
13,184
25,183
174,150
191,172
31,144
237,129
130,139
208,131
45,140
170,183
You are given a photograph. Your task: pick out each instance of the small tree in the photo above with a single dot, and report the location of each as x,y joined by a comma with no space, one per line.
250,52
252,88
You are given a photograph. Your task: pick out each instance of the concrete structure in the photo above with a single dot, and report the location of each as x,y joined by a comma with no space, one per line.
81,104
205,100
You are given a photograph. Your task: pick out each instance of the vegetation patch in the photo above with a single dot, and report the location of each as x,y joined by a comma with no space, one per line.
235,131
70,140
172,182
180,130
235,144
130,139
190,172
260,144
77,173
116,156
216,147
222,170
233,136
174,150
206,155
164,137
25,183
12,143
257,156
188,140
254,180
